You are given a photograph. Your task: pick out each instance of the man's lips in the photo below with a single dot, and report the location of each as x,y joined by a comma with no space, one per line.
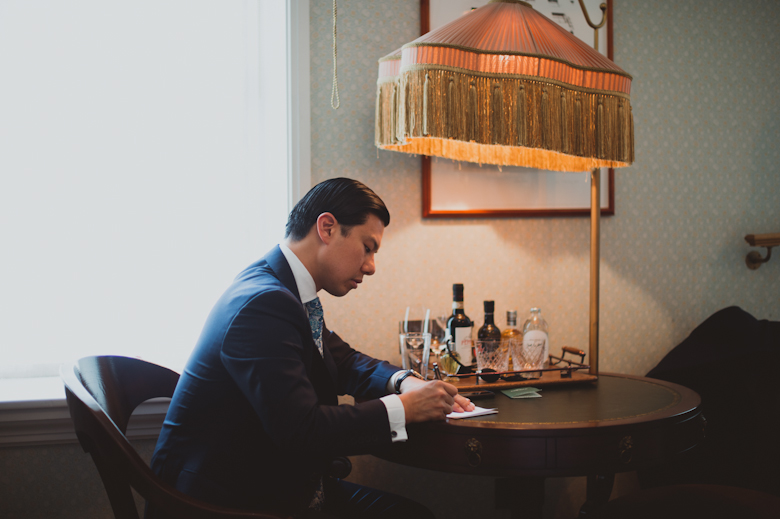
356,282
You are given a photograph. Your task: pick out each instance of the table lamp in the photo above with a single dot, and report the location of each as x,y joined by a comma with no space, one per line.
505,85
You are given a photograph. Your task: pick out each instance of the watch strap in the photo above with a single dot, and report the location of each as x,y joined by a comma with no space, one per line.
400,379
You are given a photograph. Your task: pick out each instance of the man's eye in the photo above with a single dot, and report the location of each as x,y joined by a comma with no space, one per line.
368,250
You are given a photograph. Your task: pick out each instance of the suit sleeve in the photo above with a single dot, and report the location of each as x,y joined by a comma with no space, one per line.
359,375
263,350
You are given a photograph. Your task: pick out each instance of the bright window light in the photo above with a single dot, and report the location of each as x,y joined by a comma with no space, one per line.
139,174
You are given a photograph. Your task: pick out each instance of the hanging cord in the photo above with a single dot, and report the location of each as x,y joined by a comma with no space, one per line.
335,92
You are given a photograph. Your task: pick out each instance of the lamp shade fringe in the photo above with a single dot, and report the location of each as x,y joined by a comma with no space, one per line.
498,127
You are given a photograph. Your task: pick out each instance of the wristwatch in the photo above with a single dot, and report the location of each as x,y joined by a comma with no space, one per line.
401,378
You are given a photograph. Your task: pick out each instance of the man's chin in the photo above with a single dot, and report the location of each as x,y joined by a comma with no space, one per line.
340,292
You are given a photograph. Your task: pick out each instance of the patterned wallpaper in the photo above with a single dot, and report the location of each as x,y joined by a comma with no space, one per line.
705,176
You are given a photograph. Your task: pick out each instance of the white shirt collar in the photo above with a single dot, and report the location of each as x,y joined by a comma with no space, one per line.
307,290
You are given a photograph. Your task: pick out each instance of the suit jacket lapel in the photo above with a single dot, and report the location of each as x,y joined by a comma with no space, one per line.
281,268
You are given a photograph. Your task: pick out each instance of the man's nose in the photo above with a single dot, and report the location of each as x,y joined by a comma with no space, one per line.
369,267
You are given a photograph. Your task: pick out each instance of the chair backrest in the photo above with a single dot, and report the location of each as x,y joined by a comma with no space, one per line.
102,392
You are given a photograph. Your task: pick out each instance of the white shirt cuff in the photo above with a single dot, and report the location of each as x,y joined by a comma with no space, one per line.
396,417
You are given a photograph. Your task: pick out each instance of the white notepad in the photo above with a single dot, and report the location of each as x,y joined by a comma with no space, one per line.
478,411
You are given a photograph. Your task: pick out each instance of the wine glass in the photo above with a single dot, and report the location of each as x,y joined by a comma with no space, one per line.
415,351
414,341
416,323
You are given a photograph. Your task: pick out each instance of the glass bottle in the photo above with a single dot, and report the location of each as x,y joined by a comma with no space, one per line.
460,327
512,335
489,331
535,336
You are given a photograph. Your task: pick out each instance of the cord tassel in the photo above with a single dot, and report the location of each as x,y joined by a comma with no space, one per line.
394,115
335,102
621,136
564,132
630,156
407,121
545,126
497,114
379,130
578,135
520,114
472,116
451,108
600,129
426,103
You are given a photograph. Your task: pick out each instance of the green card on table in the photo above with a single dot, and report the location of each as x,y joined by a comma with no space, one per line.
522,392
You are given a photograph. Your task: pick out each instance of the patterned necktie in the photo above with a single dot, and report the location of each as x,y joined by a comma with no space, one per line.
314,307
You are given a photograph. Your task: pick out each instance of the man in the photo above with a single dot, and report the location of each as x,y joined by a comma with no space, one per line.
254,422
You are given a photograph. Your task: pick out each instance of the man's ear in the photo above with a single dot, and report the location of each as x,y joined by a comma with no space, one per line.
327,226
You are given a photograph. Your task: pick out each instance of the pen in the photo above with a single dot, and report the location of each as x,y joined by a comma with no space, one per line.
436,371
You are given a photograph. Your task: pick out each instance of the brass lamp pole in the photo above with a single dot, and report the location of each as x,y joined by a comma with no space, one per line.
595,228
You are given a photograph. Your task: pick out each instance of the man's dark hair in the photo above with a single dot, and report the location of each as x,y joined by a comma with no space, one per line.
348,200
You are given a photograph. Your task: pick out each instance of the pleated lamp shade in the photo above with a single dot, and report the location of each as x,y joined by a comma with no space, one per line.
505,85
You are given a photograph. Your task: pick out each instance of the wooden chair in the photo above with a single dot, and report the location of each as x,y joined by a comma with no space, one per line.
102,393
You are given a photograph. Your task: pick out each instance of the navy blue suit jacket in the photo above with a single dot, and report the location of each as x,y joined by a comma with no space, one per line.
255,418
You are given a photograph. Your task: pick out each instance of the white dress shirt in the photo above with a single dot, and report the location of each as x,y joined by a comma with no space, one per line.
307,290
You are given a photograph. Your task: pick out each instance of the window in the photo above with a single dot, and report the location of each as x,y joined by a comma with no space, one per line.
146,151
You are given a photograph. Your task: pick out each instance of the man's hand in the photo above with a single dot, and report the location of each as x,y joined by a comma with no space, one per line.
434,400
462,404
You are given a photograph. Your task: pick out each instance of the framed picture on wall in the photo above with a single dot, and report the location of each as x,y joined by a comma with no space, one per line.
453,189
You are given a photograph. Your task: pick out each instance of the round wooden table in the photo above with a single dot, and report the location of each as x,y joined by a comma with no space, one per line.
618,423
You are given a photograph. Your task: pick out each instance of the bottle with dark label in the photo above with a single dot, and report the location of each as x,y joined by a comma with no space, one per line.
460,327
489,331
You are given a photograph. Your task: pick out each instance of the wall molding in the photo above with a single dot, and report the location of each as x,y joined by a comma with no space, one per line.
27,423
